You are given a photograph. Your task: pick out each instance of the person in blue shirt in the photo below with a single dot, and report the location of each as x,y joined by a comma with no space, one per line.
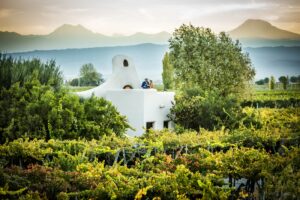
145,84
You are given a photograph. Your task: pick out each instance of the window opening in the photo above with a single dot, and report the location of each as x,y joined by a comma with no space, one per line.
149,125
166,124
125,63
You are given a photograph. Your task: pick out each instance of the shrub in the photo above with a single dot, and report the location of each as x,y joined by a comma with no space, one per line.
38,111
209,110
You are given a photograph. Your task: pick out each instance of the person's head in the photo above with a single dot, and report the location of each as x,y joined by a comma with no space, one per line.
150,81
146,79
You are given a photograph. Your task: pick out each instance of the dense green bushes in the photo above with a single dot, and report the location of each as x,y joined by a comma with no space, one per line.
279,103
209,110
273,99
194,109
33,104
37,111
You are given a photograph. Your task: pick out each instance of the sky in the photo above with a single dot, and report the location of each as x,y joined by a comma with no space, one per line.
127,17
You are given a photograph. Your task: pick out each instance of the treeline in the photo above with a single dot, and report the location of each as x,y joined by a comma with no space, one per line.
292,79
34,104
88,77
21,71
284,80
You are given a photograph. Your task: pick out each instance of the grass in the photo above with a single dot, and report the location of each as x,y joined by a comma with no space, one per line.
262,92
278,87
159,87
79,89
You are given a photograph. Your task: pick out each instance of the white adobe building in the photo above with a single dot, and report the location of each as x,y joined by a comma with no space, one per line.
144,108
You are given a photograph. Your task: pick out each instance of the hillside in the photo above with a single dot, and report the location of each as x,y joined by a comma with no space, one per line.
267,61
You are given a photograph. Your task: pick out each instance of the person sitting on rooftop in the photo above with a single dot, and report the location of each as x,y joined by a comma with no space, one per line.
151,85
145,84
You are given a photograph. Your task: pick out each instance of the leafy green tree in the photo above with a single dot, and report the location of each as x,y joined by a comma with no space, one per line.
272,83
284,81
266,80
260,82
168,73
295,79
208,61
74,82
89,76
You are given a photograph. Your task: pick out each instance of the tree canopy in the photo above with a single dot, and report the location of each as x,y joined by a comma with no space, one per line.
295,79
21,71
272,83
168,73
208,61
89,75
284,81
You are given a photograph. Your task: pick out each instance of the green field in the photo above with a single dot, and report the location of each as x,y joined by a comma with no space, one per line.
79,89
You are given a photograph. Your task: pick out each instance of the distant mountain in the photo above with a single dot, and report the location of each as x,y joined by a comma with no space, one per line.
260,29
267,61
252,33
259,33
73,36
71,30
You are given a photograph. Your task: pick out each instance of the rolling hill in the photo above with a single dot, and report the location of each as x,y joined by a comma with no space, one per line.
267,61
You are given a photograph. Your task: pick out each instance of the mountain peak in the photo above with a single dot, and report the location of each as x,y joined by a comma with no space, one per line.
257,28
256,22
69,29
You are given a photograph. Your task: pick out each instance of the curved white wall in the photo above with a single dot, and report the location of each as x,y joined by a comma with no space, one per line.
121,76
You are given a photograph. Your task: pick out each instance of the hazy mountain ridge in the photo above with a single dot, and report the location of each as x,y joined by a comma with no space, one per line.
73,36
267,61
252,33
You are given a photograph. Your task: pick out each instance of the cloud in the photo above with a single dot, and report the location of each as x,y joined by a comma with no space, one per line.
129,16
6,13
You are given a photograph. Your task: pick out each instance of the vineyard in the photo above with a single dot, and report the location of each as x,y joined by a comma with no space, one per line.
246,163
